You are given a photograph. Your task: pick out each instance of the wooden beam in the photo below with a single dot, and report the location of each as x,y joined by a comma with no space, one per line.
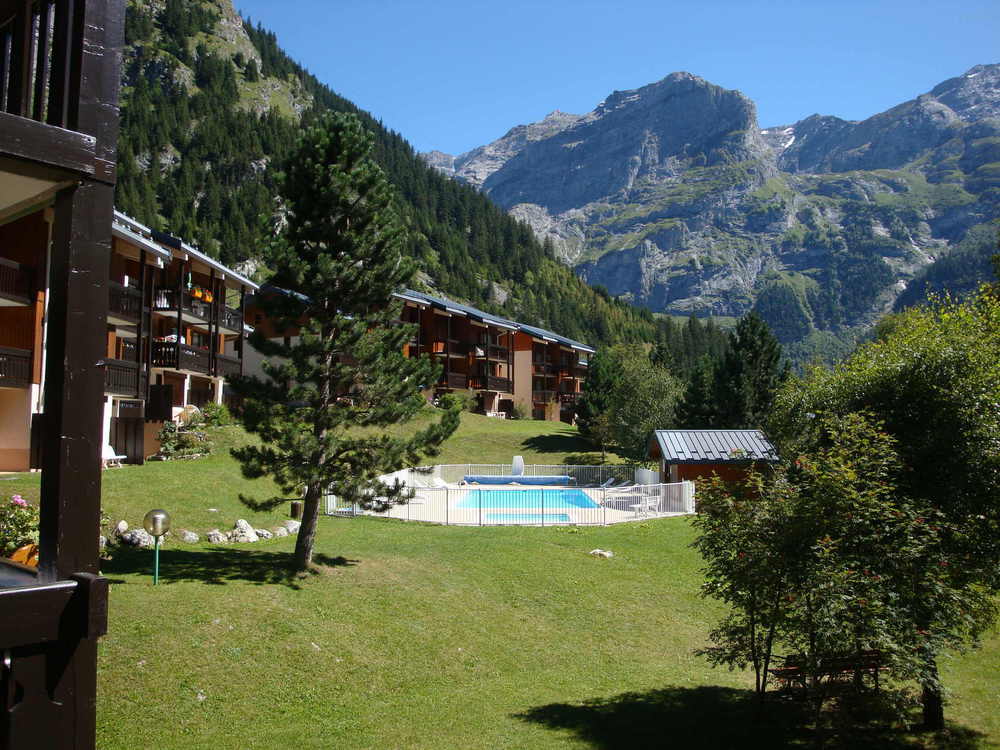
46,144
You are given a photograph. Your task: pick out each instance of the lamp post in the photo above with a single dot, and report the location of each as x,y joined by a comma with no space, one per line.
157,523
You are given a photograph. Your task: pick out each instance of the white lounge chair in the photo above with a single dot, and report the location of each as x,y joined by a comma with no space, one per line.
110,459
646,506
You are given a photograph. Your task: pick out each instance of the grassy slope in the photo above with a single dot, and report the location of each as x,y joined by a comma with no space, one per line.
417,636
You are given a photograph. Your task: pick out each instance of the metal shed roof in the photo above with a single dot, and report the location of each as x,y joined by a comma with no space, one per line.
713,446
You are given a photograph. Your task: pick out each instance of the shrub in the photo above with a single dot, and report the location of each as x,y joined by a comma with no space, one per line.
216,415
177,443
18,525
464,399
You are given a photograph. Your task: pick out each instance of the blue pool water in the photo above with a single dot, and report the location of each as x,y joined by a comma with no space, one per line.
527,517
568,498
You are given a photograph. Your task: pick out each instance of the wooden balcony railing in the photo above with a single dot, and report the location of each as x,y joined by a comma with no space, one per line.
498,352
490,383
543,397
40,60
455,380
176,356
569,398
542,368
121,377
166,301
228,367
124,301
15,368
15,279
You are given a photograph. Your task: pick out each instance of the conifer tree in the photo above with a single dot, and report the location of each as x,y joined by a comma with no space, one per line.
748,376
338,260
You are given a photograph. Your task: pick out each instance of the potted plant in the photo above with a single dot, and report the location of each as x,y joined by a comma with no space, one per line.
196,292
208,296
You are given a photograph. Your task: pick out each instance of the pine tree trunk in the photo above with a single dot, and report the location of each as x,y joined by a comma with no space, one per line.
307,531
933,703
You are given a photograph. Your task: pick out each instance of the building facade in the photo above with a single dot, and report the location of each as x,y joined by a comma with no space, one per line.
503,364
173,334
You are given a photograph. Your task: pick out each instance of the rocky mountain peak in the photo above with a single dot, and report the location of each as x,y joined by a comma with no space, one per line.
974,95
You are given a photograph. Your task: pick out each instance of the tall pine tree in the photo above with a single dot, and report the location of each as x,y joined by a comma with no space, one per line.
339,256
748,376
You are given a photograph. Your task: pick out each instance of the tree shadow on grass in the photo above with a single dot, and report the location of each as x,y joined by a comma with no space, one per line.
218,565
565,441
713,717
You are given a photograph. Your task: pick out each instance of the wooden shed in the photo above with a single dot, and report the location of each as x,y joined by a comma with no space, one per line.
690,454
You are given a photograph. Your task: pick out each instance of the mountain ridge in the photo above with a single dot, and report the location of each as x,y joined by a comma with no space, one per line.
672,196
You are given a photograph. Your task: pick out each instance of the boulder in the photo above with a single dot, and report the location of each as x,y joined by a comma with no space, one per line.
216,537
264,533
280,531
605,553
188,536
243,532
292,526
137,538
120,528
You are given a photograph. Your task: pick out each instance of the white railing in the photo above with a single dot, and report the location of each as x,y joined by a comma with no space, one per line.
582,476
490,505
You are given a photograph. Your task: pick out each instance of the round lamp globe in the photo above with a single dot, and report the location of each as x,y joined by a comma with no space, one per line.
156,522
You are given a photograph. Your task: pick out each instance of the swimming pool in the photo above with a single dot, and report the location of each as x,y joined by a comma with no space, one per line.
534,498
541,518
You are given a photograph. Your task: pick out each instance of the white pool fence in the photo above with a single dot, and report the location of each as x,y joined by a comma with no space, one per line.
436,501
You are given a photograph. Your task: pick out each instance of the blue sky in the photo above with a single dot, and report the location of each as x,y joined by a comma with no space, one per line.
453,75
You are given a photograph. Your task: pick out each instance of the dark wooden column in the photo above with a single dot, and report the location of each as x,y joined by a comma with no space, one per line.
49,632
243,313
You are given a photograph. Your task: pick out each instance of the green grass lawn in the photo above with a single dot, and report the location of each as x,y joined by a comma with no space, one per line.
420,636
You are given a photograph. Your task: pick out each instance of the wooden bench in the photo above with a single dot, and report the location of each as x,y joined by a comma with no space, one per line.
840,669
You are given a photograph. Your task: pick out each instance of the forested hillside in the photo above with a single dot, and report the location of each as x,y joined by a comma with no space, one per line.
211,107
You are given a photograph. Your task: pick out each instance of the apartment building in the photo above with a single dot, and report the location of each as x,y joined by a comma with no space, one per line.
174,333
503,363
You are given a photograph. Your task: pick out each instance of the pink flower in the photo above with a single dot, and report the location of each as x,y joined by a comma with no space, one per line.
18,500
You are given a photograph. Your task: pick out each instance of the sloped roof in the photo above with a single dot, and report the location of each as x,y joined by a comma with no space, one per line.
712,446
490,319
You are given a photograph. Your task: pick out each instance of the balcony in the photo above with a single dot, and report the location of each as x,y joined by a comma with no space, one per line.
490,383
454,380
543,397
15,368
15,284
124,304
175,356
569,399
121,377
192,310
493,351
228,367
230,319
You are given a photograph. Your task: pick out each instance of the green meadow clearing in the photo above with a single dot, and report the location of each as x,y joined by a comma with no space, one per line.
419,636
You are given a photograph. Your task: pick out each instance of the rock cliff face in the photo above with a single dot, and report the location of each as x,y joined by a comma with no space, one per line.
673,196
